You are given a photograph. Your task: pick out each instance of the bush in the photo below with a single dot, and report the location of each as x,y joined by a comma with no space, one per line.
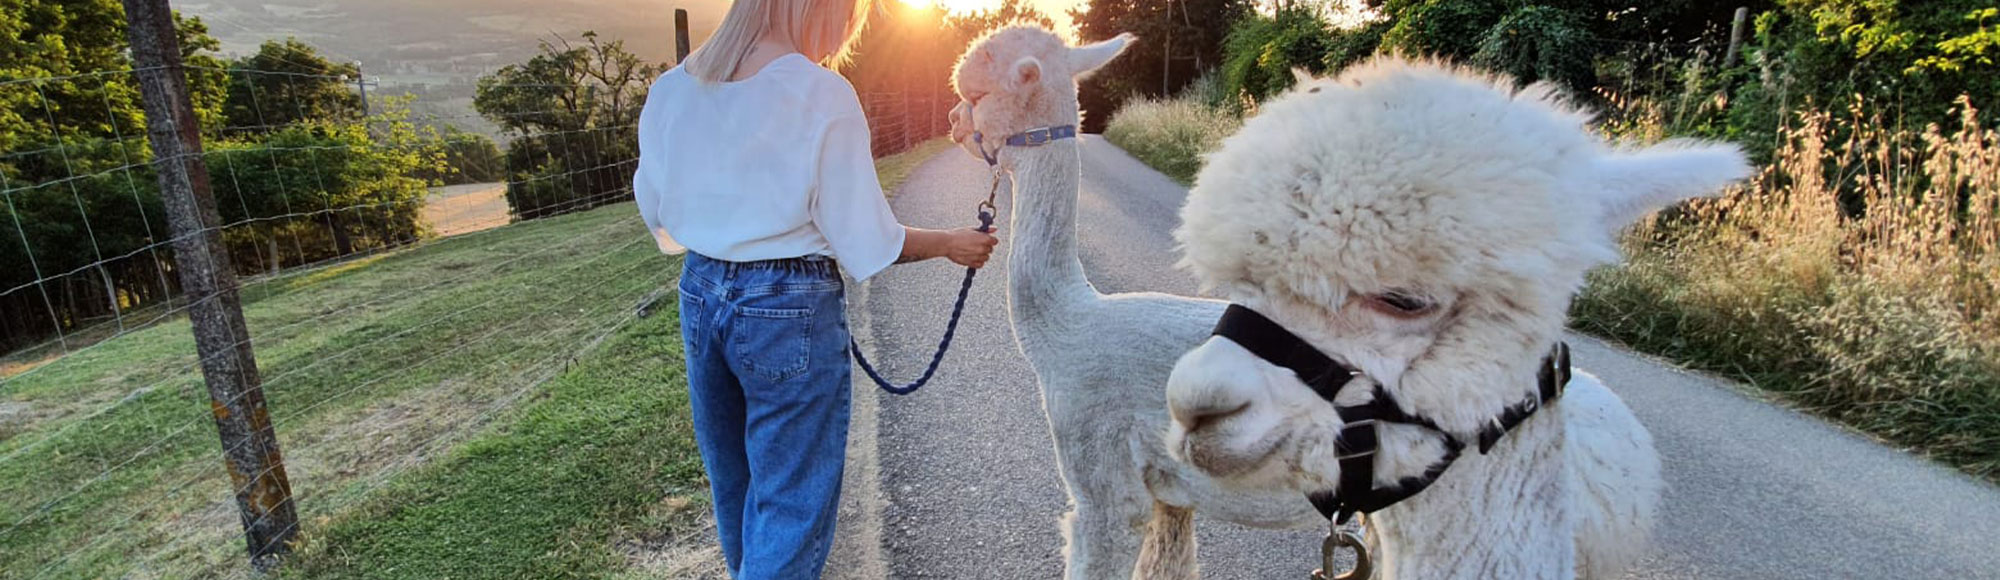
468,158
1171,135
1261,52
1443,28
1539,43
1352,45
1856,277
320,190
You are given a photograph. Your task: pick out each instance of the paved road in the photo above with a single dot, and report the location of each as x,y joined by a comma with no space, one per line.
960,480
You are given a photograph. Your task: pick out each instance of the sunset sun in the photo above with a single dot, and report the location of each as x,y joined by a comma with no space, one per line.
956,6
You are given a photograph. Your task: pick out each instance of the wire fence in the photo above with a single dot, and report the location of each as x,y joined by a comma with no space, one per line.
371,357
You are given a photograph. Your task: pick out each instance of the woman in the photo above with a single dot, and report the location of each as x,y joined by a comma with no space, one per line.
756,160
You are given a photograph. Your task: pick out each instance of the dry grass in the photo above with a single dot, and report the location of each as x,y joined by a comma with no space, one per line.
1171,135
1857,275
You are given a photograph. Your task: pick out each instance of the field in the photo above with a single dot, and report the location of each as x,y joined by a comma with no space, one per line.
487,405
395,381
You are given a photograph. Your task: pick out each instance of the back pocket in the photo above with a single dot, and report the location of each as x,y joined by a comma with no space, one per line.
692,314
773,344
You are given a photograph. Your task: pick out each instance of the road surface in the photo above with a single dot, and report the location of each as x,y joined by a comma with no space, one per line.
959,480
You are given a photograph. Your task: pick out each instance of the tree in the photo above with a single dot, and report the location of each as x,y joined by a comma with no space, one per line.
1540,43
573,112
1179,40
288,82
468,158
902,64
72,155
1262,51
328,187
1009,13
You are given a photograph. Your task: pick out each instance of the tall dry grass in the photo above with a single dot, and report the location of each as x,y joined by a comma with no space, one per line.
1858,275
1171,135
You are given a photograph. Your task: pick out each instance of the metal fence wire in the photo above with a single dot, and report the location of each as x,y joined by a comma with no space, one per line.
127,210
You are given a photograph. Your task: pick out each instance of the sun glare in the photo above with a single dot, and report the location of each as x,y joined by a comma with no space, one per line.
955,6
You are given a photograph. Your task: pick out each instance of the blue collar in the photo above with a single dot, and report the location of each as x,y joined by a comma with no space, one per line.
1028,138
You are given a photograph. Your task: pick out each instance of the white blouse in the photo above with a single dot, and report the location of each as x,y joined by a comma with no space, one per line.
772,166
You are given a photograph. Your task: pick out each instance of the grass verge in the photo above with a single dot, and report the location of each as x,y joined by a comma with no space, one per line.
1171,135
372,368
598,464
895,169
1858,277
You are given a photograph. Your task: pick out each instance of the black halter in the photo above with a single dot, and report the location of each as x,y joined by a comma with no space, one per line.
1357,444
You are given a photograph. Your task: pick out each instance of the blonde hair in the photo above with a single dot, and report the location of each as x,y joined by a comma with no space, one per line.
821,29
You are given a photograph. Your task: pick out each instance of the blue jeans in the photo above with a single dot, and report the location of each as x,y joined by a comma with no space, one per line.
767,366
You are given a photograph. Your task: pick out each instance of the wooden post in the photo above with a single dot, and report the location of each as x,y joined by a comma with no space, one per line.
1735,36
236,399
680,35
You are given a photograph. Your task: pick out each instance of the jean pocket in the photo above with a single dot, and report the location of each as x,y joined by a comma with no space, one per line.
773,344
692,314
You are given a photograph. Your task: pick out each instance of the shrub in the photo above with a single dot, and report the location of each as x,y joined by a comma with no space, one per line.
1352,45
1540,43
1261,52
1171,135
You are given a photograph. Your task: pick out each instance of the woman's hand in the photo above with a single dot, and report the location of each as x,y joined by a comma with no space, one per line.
970,247
967,247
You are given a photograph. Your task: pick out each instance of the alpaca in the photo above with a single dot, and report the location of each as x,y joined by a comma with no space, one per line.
1101,360
1427,227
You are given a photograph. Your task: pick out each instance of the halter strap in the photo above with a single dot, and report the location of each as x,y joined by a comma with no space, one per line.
1030,138
1358,442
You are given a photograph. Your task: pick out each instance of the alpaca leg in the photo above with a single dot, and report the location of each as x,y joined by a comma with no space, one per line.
1103,541
1168,551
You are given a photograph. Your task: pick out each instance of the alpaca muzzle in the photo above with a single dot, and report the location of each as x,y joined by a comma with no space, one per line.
1357,444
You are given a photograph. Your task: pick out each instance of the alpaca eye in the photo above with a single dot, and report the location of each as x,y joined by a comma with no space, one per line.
1403,303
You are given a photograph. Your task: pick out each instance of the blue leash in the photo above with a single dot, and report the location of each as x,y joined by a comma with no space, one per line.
1029,138
950,328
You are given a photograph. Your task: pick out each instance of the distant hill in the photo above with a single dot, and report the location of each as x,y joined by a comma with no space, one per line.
437,49
393,34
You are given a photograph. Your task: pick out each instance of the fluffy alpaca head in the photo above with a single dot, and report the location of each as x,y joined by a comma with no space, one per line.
1020,78
1425,224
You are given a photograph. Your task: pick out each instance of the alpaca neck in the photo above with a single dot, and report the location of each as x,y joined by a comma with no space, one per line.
1045,277
1505,514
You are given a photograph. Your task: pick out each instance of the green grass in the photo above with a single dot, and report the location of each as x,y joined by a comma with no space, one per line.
604,448
895,169
372,370
483,406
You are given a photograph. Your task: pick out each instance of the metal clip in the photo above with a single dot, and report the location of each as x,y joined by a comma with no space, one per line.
1329,550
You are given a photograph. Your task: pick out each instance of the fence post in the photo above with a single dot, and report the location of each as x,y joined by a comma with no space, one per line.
249,445
361,83
1735,36
680,35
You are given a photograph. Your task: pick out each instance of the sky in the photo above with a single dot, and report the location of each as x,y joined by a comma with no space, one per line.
1058,10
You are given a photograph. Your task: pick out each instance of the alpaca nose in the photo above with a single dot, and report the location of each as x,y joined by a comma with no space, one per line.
1195,418
1203,389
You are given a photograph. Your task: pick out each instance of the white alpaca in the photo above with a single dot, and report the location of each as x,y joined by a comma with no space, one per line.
1102,360
1428,227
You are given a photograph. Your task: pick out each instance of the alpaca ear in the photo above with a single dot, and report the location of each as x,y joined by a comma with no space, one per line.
1027,71
1631,184
1087,58
1301,76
